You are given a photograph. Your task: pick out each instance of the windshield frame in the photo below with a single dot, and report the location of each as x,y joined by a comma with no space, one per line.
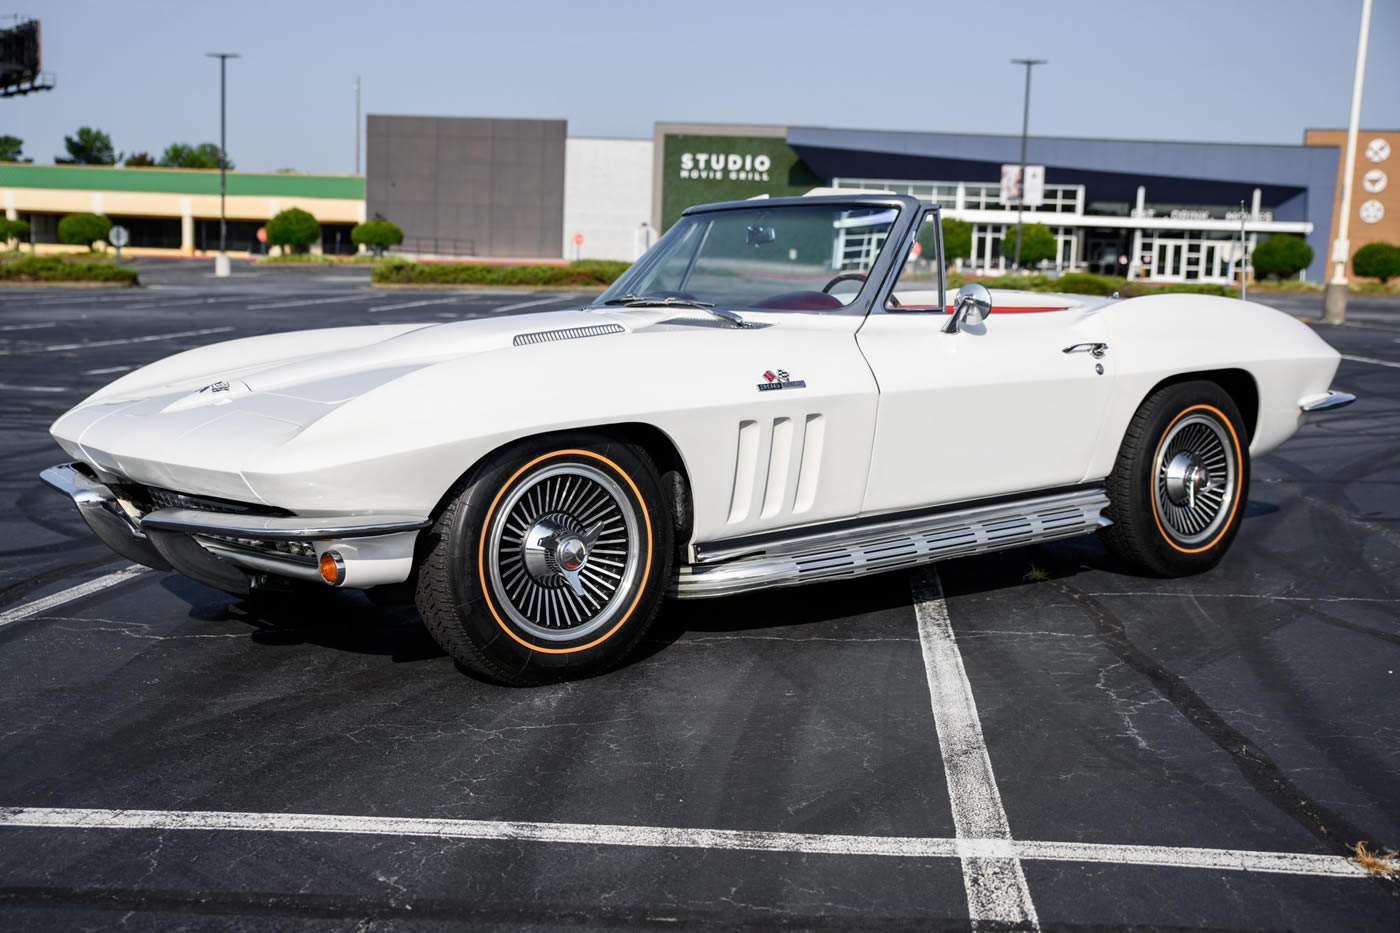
909,212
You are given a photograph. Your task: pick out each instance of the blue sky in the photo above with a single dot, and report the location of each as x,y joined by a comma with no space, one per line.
1225,70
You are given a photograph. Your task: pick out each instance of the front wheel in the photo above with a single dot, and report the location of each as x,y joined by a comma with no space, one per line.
549,562
1180,483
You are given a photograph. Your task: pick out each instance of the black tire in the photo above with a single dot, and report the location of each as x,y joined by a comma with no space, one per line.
580,597
1169,520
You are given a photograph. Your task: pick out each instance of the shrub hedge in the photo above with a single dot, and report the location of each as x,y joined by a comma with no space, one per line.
83,229
586,272
55,269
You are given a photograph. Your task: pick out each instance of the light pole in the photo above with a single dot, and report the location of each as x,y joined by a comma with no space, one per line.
221,261
357,124
1025,124
1334,300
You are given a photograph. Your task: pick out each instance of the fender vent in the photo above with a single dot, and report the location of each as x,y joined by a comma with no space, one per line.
567,333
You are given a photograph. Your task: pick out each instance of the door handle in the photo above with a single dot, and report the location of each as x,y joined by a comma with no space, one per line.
1096,350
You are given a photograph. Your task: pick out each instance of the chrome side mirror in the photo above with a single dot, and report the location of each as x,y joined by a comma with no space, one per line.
971,306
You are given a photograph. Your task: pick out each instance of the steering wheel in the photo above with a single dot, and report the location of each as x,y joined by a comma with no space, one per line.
853,277
843,277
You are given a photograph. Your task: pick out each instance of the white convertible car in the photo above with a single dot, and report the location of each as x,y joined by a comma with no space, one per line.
777,393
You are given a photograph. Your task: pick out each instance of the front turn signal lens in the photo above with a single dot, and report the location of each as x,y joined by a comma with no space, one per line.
332,568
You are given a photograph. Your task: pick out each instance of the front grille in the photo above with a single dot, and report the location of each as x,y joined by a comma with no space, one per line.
150,498
300,551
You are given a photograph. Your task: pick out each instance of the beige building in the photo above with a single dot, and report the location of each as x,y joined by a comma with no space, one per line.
176,211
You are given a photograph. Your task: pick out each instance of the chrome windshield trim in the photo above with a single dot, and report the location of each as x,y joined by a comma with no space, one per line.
281,528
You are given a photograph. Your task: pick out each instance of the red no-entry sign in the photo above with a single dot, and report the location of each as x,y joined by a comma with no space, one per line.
578,239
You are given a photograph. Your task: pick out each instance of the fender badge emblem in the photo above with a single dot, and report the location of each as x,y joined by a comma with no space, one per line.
779,380
220,386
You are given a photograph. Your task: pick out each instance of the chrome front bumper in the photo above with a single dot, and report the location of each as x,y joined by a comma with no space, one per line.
223,549
1325,404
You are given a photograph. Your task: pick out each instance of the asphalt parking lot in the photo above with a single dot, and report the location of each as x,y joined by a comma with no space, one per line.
1030,737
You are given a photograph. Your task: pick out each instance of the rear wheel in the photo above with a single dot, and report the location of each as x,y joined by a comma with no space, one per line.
1180,483
549,562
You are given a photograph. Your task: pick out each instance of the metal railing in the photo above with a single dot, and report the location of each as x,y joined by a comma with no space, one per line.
436,246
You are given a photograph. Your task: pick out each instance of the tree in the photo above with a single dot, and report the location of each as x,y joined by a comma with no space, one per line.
183,155
376,234
1377,261
1037,243
12,149
13,230
89,147
293,228
1281,256
83,229
139,160
957,240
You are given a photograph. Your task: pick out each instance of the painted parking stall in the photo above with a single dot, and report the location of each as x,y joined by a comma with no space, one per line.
1028,738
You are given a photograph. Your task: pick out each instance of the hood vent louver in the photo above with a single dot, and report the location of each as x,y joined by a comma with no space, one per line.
567,333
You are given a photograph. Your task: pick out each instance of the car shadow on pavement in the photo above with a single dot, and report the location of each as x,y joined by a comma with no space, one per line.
341,620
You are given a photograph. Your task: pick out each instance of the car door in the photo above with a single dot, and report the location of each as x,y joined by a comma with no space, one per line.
995,409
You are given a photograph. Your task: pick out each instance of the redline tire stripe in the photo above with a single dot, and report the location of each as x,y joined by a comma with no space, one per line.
1239,477
485,528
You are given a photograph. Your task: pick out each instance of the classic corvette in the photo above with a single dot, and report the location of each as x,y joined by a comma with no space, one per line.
778,392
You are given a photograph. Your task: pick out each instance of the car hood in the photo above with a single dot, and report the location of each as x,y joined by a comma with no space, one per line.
199,419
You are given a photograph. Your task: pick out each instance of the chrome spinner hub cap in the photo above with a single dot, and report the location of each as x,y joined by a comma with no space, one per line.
1186,479
563,551
1196,478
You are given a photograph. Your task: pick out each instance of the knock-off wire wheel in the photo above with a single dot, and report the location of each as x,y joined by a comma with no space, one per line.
1178,487
563,551
1196,477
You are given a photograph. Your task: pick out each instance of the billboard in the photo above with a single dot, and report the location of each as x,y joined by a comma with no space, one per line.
19,55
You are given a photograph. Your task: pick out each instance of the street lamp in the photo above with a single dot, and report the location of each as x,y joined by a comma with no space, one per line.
221,268
1025,123
1334,300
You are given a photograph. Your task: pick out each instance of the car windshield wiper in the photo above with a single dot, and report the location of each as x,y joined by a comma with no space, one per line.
671,301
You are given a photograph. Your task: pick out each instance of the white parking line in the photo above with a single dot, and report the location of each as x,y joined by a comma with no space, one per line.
10,388
344,299
1373,362
417,304
107,370
530,304
997,892
1329,866
54,348
29,326
67,596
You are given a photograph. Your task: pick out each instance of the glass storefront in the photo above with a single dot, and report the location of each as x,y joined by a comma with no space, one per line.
1161,242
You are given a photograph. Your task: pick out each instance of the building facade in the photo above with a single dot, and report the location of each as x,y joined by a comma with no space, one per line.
177,210
465,186
523,189
1375,197
1166,211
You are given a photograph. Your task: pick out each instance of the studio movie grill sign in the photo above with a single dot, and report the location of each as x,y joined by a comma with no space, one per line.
718,165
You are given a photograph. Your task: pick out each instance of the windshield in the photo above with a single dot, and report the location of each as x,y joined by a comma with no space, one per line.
792,258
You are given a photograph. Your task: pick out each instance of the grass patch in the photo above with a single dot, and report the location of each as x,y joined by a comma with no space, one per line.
54,269
585,273
1385,864
1035,575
